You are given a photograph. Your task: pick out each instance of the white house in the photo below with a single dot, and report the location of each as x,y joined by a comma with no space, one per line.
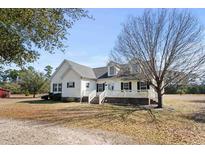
113,83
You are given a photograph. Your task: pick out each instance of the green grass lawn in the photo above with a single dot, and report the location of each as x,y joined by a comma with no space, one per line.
182,121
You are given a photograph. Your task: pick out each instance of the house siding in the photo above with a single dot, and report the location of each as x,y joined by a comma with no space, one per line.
66,74
71,76
92,85
57,77
117,83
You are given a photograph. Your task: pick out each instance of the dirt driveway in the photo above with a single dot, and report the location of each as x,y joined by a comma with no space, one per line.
27,132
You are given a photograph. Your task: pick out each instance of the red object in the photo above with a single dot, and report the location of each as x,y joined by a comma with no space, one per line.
4,93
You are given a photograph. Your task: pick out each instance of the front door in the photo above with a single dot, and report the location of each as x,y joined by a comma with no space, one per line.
110,86
100,87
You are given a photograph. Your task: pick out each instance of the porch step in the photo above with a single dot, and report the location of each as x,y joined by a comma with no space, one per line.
95,100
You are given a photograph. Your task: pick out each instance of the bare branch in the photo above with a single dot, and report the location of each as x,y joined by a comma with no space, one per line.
162,41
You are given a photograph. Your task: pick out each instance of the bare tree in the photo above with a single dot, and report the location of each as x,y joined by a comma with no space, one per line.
161,41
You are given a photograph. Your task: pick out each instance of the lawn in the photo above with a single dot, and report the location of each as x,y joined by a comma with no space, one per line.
182,121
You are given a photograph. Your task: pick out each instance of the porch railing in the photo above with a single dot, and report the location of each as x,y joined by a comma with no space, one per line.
91,96
127,93
102,96
120,93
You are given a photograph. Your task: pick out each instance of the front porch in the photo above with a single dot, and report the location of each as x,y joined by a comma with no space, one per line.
107,95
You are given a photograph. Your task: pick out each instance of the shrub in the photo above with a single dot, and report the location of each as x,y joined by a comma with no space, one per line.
45,97
50,95
26,93
181,91
56,97
13,87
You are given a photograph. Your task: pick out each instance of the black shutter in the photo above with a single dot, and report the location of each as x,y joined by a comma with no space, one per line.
148,83
138,85
103,86
53,87
73,84
130,85
121,85
97,87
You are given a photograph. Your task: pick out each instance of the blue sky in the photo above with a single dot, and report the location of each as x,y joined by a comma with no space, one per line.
91,41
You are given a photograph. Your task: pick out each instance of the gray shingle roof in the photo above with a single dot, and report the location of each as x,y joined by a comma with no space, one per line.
100,72
83,70
95,73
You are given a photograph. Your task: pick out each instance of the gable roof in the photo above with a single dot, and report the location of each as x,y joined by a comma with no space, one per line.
100,72
83,70
95,73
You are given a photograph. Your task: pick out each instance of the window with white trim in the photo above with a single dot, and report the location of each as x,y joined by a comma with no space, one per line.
87,85
55,89
70,84
143,85
60,87
125,86
112,70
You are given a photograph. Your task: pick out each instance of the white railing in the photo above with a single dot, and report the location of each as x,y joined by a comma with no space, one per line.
127,93
151,94
102,96
91,96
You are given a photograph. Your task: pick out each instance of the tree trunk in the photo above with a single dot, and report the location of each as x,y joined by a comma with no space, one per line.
159,95
34,95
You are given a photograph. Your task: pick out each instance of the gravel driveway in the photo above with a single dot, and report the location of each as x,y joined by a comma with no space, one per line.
29,132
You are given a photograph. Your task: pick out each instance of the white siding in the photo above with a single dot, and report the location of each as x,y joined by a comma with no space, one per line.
117,86
71,76
117,83
59,73
66,74
92,85
57,77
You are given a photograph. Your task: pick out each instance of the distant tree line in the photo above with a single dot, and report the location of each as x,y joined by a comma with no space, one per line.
185,89
26,81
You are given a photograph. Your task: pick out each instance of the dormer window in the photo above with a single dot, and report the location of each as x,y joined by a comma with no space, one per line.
112,70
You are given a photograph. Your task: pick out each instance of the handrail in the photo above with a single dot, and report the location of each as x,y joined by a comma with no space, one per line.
102,96
127,93
91,96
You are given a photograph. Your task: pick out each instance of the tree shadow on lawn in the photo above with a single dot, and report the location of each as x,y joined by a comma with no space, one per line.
20,97
197,101
40,102
94,116
88,114
198,117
